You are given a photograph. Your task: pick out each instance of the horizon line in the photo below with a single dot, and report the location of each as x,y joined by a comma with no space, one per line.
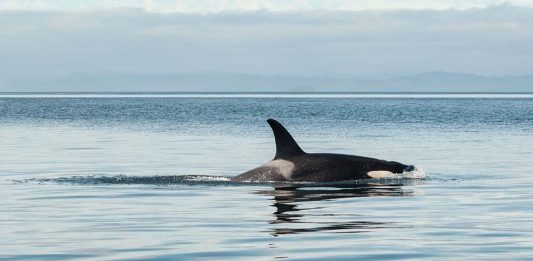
291,95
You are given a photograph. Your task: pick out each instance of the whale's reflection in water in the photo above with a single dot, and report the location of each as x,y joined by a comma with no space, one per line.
290,214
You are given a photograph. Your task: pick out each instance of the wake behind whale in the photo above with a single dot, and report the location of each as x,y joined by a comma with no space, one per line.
204,180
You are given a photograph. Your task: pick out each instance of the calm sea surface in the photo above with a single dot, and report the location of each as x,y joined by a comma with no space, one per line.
114,177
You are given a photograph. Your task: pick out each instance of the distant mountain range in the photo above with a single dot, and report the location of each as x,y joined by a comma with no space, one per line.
236,82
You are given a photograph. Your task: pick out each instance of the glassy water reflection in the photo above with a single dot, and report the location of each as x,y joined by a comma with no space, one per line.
288,201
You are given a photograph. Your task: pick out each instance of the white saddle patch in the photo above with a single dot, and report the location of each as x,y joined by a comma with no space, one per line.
378,174
284,167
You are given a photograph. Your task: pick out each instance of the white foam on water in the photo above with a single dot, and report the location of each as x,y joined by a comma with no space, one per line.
417,173
207,178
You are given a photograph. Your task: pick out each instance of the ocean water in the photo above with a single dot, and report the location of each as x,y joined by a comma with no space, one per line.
110,177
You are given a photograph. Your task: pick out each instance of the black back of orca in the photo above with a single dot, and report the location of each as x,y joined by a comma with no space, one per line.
291,163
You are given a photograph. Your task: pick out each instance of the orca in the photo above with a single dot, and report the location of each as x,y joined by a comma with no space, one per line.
292,164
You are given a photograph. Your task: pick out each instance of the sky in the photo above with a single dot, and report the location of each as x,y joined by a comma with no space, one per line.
46,39
209,6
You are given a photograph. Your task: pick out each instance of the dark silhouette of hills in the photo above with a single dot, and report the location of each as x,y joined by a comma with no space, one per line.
435,81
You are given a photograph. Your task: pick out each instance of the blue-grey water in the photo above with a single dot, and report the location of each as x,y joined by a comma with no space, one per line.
116,177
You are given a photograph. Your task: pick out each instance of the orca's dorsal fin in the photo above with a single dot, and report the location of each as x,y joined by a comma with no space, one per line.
286,146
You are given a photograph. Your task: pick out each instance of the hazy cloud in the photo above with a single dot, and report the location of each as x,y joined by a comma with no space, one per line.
488,41
209,6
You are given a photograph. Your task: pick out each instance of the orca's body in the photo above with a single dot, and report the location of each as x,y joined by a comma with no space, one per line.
291,163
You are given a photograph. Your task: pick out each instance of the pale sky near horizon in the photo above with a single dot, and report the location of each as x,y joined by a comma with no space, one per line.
206,6
46,39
